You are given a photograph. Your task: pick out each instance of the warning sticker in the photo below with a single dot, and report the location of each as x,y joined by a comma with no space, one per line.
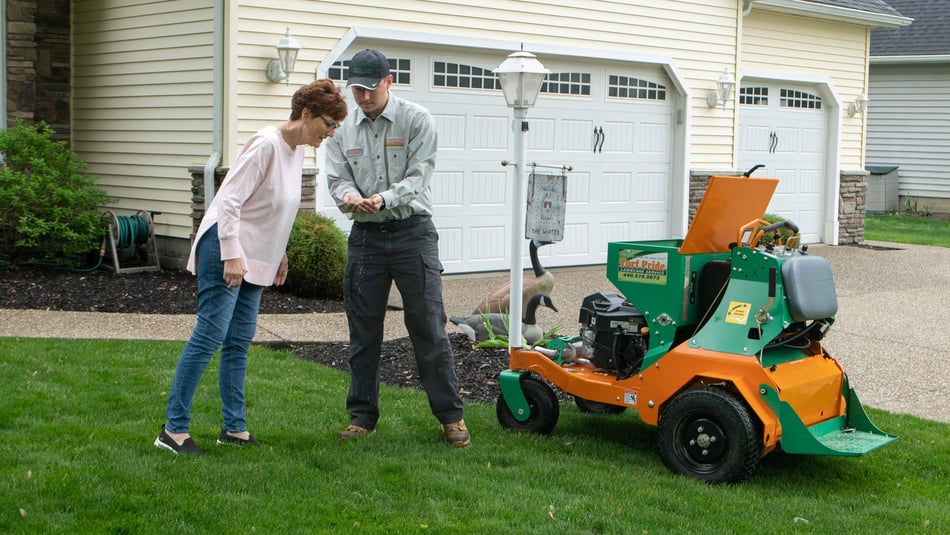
630,397
738,312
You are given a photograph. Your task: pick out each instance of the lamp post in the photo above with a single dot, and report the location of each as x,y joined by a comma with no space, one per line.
521,75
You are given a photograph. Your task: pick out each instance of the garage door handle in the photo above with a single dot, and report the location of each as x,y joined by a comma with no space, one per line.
773,142
599,137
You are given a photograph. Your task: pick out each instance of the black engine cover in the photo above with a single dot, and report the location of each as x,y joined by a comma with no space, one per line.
613,328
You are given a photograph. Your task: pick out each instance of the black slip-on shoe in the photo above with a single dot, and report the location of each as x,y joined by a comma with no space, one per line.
188,447
225,438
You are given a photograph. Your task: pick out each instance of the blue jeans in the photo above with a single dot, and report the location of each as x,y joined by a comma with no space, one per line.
408,255
227,319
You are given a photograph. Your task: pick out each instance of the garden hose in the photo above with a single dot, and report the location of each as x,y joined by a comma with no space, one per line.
127,231
130,230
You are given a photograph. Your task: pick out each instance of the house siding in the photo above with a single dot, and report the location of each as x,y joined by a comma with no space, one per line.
908,127
815,48
141,102
698,35
143,79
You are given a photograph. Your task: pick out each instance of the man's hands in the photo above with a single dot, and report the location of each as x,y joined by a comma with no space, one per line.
361,205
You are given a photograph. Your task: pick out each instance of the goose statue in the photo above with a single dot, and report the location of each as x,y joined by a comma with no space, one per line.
541,283
477,326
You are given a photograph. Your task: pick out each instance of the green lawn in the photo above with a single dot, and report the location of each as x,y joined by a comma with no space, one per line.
907,229
77,421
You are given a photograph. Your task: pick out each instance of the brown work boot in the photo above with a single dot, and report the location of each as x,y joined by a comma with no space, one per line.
355,431
456,434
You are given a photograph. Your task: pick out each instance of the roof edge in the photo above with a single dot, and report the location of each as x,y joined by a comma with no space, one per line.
840,14
923,58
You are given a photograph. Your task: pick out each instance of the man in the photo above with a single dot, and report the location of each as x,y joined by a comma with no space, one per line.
380,165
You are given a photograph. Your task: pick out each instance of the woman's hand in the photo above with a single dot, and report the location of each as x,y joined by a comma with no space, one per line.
281,276
233,272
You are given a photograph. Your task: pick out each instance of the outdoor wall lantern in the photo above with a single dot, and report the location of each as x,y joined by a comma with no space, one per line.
860,105
279,70
723,93
521,75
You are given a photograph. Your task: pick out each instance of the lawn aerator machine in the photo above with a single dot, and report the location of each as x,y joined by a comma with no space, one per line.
716,340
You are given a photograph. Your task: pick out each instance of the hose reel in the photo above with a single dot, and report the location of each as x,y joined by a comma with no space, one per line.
132,238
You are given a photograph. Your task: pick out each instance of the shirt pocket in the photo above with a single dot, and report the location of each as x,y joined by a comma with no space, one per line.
396,155
355,157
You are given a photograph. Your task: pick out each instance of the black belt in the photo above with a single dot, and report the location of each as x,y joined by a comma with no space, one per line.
391,226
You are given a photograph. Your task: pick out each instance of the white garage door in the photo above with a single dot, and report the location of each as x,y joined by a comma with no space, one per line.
610,122
783,127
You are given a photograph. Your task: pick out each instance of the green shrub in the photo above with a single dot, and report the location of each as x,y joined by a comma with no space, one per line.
47,205
784,232
316,256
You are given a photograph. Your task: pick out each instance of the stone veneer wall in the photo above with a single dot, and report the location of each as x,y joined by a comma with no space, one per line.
852,205
38,63
308,191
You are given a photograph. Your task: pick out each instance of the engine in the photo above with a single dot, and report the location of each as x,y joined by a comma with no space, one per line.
614,333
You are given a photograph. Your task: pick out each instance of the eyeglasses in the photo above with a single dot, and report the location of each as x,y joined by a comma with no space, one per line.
330,124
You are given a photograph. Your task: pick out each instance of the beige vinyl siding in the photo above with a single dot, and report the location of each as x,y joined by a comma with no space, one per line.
810,47
699,36
141,102
909,126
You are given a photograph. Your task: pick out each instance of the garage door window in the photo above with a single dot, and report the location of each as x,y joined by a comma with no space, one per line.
447,74
619,86
754,96
792,98
401,69
567,83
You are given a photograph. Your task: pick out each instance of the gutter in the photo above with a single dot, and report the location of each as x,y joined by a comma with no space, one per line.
217,105
889,60
840,14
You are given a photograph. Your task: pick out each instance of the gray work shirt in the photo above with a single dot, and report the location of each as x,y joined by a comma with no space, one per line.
393,156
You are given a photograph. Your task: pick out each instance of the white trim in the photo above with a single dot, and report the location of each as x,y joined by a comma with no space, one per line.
829,231
835,13
932,58
681,120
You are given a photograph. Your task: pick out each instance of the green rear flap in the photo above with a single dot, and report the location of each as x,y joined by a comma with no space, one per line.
850,435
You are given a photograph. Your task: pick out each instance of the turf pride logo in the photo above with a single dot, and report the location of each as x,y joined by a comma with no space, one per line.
635,266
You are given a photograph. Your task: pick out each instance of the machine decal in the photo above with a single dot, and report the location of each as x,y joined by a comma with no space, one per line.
635,266
738,312
630,397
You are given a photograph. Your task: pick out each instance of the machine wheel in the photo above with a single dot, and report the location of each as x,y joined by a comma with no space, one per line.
709,434
596,407
542,403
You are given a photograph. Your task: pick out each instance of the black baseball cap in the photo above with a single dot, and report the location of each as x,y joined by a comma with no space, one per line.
367,68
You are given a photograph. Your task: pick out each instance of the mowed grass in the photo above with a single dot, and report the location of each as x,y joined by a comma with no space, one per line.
77,421
907,229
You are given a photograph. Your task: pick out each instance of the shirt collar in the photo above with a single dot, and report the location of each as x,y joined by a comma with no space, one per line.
389,112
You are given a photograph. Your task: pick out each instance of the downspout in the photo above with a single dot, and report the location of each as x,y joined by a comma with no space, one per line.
3,66
217,97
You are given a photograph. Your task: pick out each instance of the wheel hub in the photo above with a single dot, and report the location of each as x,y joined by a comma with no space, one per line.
705,441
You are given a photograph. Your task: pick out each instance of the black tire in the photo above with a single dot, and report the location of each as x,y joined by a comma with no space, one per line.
542,403
597,407
711,435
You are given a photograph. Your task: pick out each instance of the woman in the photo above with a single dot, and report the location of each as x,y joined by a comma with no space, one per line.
238,250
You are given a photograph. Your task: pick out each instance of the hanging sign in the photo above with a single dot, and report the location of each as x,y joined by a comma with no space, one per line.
547,204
